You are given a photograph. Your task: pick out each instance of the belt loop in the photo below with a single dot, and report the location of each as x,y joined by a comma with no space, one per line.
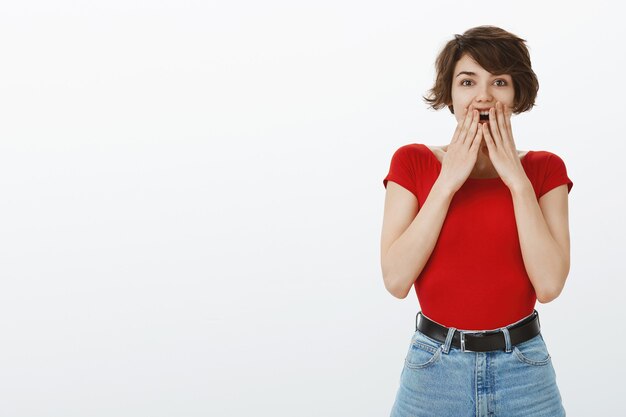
418,313
448,342
507,339
538,322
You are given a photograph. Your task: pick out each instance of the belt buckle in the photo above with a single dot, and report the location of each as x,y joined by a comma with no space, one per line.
463,339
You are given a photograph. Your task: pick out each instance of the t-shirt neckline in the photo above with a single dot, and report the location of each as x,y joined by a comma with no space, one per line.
468,178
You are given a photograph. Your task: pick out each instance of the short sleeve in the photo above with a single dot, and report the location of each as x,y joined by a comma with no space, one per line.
402,169
555,175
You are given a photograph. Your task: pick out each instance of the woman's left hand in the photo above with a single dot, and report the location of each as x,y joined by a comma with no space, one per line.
502,151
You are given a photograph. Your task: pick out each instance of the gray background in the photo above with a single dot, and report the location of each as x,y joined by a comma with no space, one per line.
192,200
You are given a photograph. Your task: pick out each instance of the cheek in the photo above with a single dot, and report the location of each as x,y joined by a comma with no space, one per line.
509,98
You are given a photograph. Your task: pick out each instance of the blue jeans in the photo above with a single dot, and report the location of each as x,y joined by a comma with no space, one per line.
440,380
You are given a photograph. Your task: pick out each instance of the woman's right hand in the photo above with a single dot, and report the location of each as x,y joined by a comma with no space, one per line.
460,157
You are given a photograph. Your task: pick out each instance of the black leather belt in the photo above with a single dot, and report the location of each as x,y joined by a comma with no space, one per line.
481,341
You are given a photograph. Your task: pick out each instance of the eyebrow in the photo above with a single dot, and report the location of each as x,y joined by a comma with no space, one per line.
470,73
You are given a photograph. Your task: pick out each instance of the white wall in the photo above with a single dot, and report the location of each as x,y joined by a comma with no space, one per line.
192,200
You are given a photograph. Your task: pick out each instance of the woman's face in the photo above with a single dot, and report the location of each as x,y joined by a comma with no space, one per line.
472,84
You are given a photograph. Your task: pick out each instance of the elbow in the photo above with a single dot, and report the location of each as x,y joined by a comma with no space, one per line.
394,290
551,294
544,299
548,296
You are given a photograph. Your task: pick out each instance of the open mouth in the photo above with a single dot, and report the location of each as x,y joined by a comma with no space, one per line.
484,117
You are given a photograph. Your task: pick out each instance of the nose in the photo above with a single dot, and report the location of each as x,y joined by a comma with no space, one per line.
484,95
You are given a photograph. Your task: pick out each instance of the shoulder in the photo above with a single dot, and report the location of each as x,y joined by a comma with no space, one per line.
549,170
543,155
409,149
410,153
546,161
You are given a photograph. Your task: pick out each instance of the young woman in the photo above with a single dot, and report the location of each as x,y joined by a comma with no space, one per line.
480,230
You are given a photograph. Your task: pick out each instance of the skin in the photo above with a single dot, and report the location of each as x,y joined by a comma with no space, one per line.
410,232
483,90
542,225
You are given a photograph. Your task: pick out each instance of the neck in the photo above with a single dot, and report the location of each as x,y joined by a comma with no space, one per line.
483,165
482,159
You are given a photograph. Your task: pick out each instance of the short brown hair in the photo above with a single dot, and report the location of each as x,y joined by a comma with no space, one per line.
497,51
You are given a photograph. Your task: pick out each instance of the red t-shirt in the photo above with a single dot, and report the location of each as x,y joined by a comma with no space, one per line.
475,278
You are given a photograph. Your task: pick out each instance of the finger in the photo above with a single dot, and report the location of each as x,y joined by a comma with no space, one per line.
501,122
491,146
457,131
493,126
473,127
507,120
488,138
509,113
461,124
469,116
477,139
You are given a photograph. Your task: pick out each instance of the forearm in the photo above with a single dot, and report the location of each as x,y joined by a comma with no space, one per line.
544,260
410,252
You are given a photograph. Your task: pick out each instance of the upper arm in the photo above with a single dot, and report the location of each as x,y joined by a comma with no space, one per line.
401,207
554,206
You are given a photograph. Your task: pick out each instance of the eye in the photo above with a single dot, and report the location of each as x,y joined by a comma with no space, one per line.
502,81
